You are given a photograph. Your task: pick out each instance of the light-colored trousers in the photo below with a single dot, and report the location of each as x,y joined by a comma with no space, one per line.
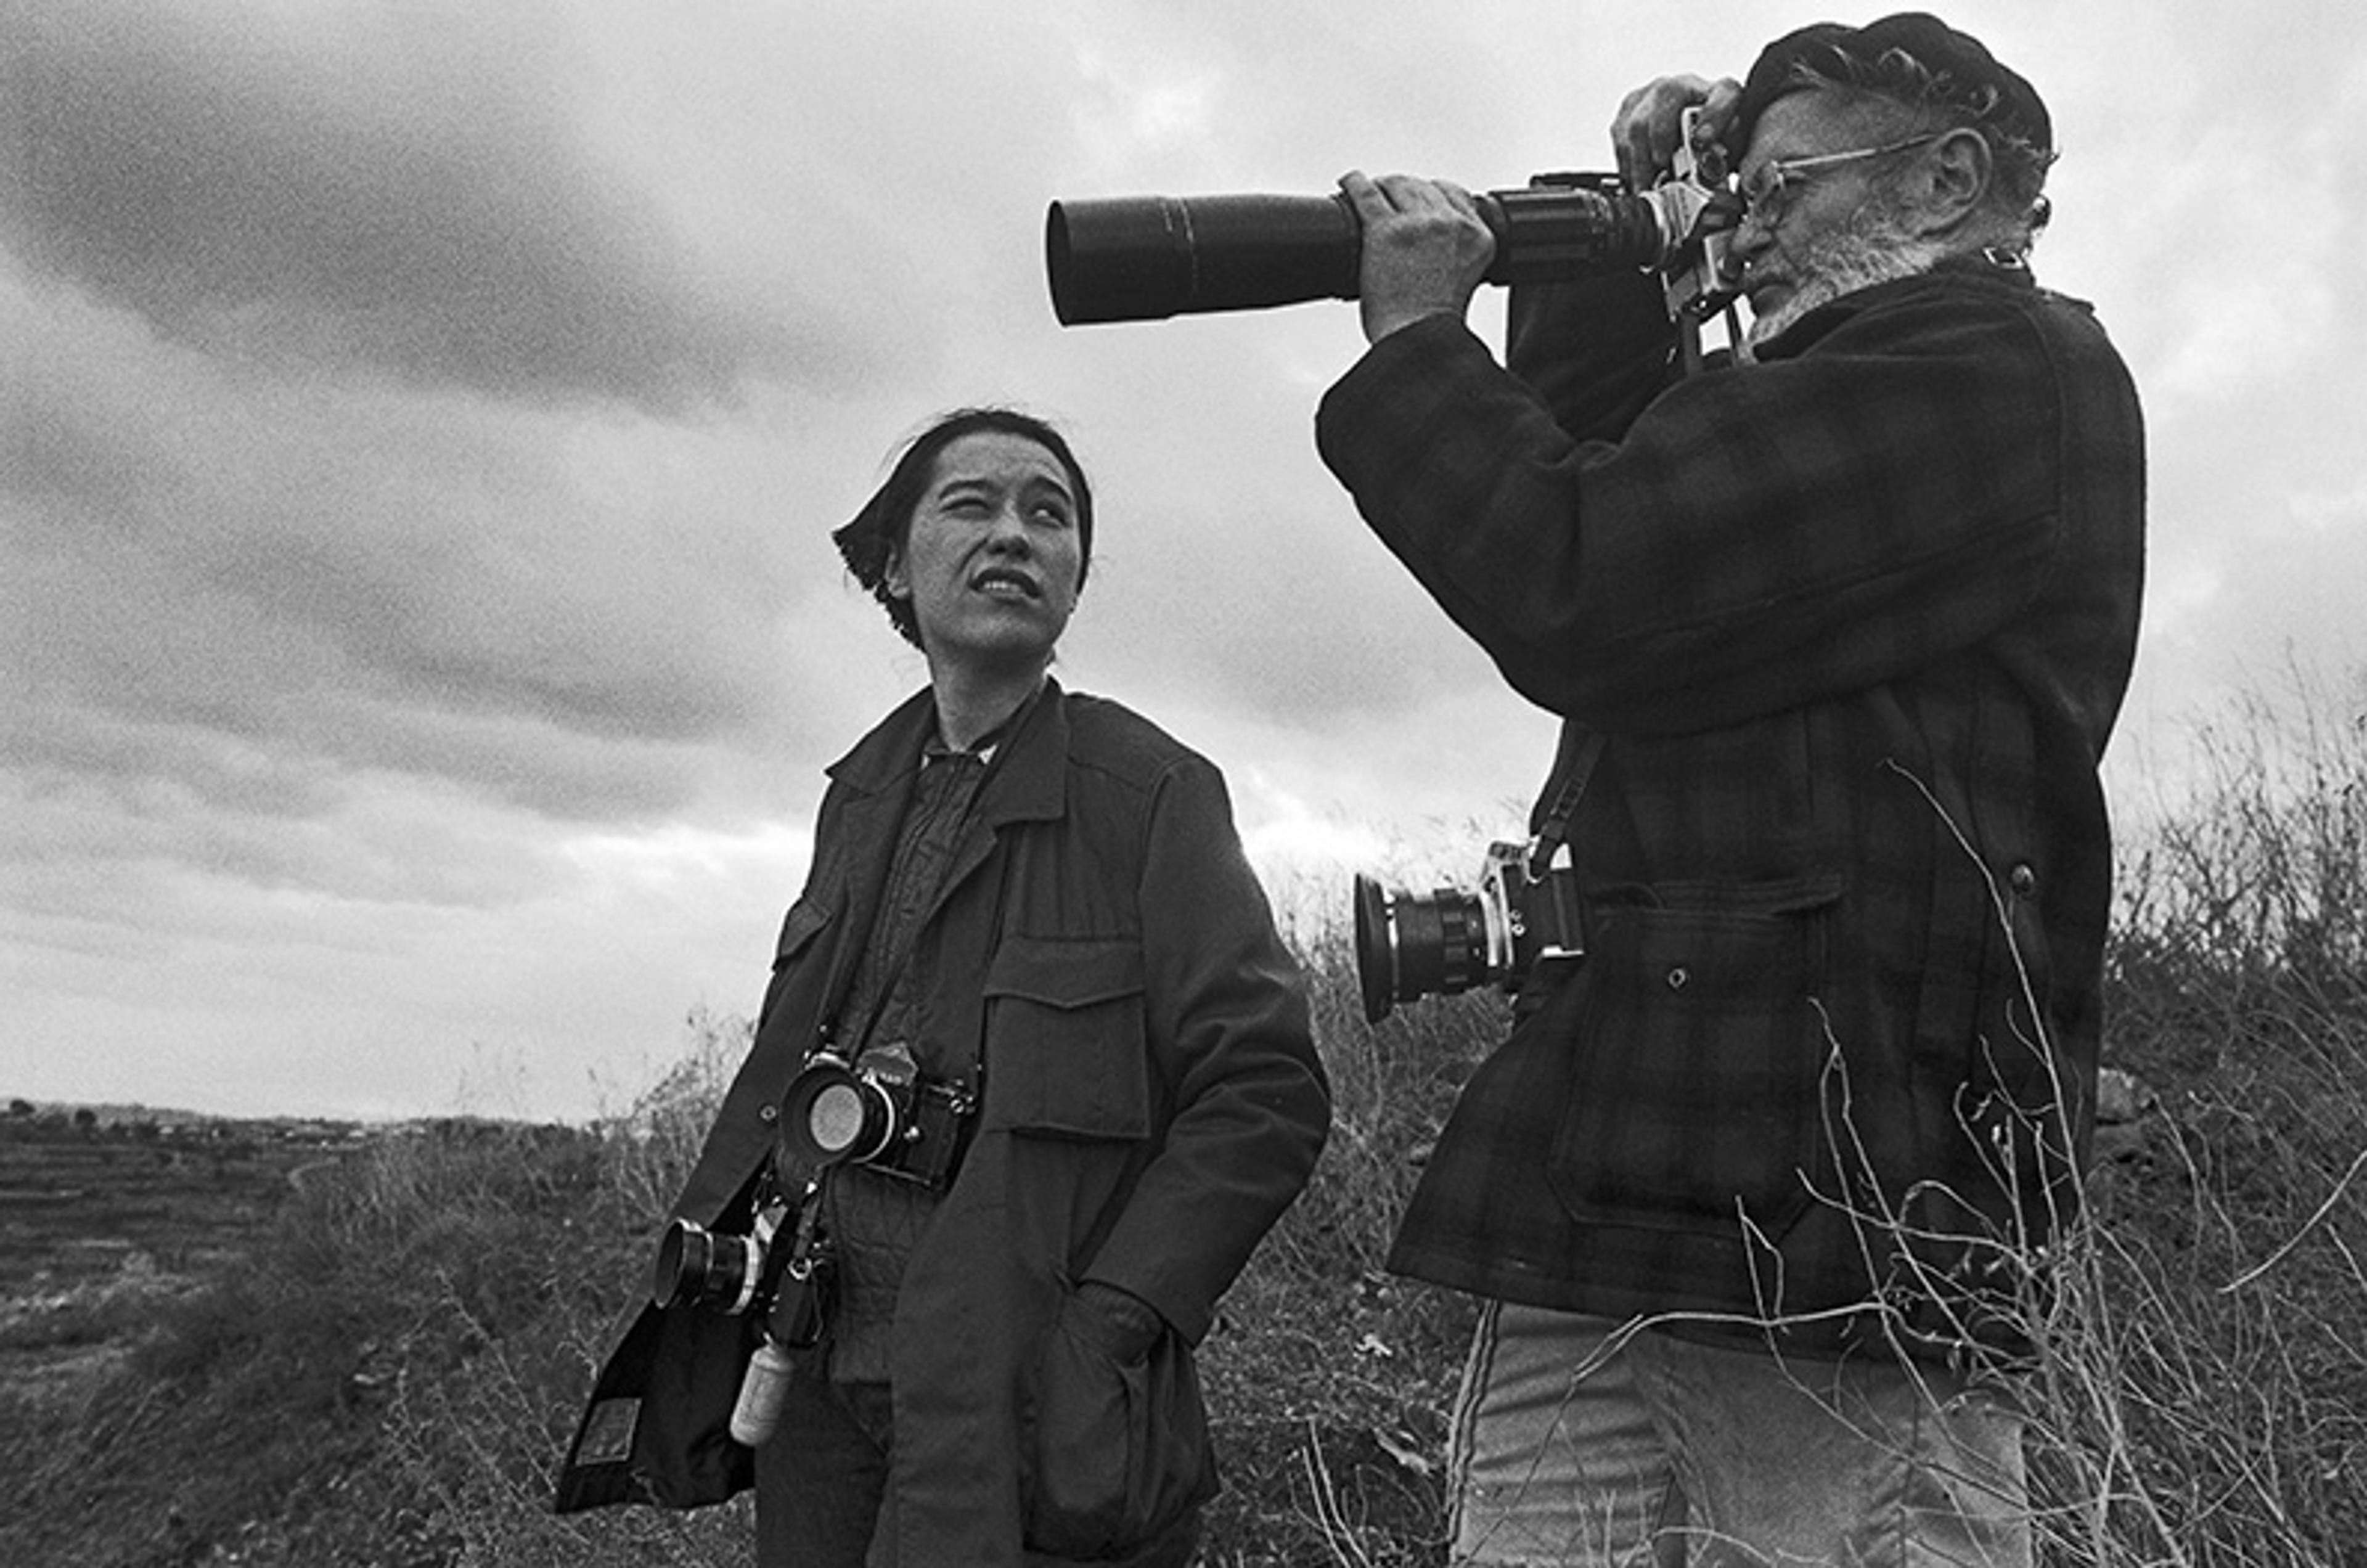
1575,1443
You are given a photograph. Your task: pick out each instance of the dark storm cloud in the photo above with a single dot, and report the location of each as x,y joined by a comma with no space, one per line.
328,561
246,599
398,188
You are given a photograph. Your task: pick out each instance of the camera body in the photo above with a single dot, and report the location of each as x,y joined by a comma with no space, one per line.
726,1274
878,1109
1514,923
784,1282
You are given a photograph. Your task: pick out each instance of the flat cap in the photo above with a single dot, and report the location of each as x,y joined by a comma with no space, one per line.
1965,76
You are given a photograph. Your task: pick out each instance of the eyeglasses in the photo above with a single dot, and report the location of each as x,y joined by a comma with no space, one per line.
1768,194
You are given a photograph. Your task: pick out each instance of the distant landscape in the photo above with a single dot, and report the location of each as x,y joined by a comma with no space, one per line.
130,1205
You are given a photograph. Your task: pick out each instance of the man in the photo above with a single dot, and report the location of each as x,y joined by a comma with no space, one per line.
1029,907
1839,630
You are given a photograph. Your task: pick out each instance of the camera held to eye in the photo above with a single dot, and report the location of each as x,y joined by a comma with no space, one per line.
1143,258
1514,924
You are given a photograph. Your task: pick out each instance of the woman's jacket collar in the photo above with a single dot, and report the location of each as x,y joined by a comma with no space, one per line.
1029,781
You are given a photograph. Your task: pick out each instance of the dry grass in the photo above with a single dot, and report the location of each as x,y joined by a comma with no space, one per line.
389,1376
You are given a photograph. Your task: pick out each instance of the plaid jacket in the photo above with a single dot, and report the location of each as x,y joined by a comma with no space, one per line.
1854,622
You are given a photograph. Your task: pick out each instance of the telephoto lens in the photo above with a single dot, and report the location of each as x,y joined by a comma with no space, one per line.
1144,258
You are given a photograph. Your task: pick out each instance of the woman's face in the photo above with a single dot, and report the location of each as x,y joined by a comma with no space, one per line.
993,558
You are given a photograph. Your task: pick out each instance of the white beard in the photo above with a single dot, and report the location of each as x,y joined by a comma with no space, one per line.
1871,249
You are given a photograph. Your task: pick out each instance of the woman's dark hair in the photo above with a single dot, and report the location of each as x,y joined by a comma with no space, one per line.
872,542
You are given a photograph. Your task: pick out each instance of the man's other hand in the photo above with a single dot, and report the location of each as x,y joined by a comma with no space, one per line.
1643,135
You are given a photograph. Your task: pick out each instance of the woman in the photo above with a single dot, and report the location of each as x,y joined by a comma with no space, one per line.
1028,933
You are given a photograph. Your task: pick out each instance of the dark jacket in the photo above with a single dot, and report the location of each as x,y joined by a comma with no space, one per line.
1151,1103
1853,624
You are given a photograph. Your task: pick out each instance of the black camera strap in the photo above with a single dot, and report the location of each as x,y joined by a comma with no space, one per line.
1574,763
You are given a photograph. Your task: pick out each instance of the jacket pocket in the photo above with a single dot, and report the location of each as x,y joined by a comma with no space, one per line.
1696,1085
1066,1054
1115,1451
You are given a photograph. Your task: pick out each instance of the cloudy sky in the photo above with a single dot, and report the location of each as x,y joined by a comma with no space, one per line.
421,424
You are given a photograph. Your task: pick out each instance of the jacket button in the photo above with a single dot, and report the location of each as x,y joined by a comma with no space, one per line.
2022,879
769,1114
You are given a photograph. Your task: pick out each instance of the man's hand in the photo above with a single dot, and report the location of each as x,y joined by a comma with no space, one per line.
1644,134
1425,250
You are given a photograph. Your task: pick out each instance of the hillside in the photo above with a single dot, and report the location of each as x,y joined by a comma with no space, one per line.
242,1344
